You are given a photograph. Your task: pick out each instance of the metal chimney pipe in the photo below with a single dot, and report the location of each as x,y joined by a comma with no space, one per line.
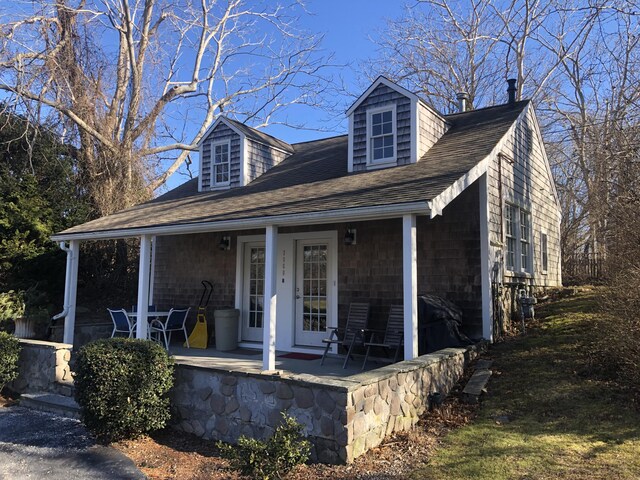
463,99
511,90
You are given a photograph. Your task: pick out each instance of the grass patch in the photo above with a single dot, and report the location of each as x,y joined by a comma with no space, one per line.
547,413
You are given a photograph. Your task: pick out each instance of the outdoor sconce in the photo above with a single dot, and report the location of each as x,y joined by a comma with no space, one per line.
350,236
225,243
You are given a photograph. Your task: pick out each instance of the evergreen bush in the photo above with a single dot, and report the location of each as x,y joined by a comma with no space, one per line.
270,459
122,386
9,352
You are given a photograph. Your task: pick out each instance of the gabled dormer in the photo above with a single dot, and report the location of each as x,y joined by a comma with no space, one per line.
233,154
390,126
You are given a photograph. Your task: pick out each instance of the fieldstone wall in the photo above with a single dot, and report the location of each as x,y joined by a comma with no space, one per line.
343,418
83,333
43,367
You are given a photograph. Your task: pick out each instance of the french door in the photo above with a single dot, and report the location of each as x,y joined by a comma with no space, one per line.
253,288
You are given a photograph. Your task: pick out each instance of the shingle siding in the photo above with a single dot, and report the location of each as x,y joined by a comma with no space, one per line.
430,128
382,96
261,157
221,133
526,182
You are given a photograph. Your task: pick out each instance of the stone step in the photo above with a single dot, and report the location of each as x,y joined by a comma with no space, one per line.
476,385
483,364
52,403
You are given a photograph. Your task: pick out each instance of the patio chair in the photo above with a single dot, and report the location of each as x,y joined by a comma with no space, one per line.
121,322
393,337
175,322
351,334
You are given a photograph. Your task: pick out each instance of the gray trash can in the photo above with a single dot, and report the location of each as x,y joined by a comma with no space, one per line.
226,324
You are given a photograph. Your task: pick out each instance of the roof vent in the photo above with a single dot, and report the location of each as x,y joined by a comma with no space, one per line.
511,90
463,99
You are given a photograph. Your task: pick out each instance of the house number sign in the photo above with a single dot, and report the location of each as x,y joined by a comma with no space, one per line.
284,253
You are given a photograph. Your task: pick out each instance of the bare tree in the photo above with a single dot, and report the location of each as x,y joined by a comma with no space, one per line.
128,77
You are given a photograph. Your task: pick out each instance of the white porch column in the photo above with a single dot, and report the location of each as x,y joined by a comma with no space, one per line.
270,299
410,285
143,286
485,261
71,282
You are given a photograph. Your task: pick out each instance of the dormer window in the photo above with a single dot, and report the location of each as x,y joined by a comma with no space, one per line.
381,141
220,164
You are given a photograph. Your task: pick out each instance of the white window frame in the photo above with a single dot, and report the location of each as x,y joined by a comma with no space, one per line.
214,144
544,251
394,128
520,243
525,242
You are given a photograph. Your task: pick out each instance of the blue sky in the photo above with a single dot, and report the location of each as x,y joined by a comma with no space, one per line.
347,26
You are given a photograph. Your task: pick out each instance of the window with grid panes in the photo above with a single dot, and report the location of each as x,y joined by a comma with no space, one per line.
525,229
220,164
381,136
510,231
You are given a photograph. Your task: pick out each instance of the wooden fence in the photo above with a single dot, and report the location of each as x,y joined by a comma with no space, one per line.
580,268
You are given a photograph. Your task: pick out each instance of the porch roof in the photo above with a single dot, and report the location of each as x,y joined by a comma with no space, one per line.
313,186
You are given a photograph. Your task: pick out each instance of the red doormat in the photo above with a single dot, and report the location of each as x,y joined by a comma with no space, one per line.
301,356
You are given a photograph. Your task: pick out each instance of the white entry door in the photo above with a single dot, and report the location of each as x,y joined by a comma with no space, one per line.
312,292
253,292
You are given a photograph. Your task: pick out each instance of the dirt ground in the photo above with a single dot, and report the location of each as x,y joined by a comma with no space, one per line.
174,455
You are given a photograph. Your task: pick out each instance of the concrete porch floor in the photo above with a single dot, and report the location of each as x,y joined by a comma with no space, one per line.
250,361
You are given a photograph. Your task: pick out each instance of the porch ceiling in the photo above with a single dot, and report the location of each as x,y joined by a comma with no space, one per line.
313,186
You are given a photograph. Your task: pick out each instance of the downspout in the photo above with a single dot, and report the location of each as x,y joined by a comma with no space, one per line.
67,286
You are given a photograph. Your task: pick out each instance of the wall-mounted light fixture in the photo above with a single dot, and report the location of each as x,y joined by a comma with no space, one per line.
350,236
225,243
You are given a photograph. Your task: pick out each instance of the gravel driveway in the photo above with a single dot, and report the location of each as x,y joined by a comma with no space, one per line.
36,445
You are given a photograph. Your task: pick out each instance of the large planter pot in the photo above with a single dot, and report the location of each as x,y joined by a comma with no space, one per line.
25,327
226,326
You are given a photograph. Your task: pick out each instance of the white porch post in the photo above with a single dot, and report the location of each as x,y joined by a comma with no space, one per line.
485,261
71,282
270,299
410,285
143,286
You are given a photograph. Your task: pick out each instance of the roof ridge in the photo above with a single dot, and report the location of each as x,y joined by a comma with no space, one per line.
525,100
321,139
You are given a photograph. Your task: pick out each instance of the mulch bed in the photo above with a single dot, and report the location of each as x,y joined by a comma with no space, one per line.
171,454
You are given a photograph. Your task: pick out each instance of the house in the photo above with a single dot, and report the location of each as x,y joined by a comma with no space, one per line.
408,202
452,205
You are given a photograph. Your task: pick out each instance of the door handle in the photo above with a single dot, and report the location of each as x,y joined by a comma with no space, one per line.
297,297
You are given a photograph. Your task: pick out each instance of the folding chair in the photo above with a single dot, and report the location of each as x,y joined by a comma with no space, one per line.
352,333
393,337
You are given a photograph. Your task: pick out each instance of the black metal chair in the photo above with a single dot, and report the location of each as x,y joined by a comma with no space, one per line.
352,333
393,337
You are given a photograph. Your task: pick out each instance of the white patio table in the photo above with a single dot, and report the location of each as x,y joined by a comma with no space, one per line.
150,317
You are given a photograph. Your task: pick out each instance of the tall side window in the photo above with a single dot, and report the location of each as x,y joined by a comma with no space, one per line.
220,165
510,231
545,252
525,251
381,135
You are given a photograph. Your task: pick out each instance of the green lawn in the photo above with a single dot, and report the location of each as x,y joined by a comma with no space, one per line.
546,414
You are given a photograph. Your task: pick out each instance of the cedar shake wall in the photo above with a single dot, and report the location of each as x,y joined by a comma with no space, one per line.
261,157
380,97
371,270
527,184
221,133
430,128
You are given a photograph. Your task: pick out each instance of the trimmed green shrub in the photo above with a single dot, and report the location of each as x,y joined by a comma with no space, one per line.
9,352
122,386
274,458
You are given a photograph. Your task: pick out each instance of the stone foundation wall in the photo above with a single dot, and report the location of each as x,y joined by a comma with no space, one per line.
43,367
343,418
83,333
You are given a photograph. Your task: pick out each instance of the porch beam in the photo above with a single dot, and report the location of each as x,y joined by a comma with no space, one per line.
71,291
485,261
410,286
270,299
143,286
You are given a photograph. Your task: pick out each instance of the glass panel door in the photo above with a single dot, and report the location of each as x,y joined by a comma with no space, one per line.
253,292
311,293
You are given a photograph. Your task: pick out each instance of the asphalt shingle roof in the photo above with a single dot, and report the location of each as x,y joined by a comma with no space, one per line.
315,179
